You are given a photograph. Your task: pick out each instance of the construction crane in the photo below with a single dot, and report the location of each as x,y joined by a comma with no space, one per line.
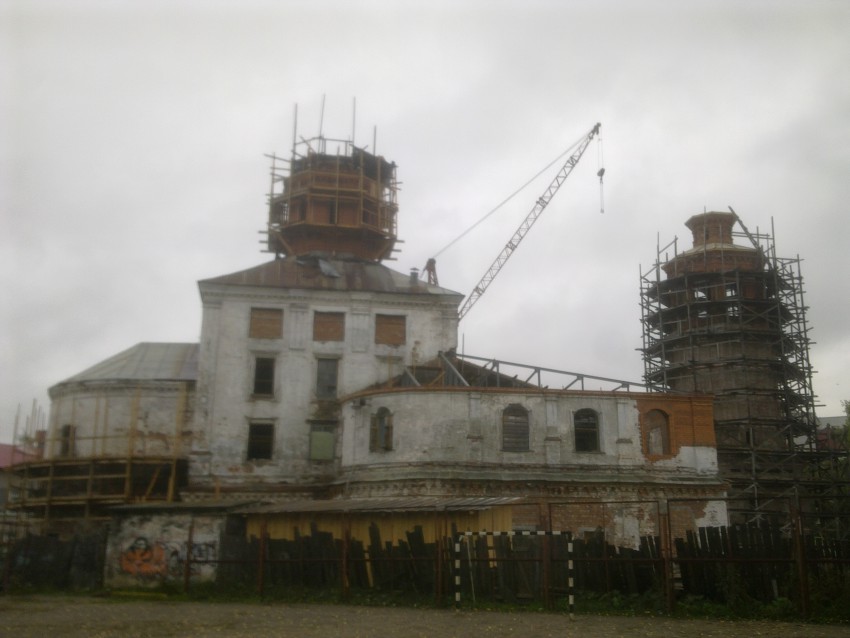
526,225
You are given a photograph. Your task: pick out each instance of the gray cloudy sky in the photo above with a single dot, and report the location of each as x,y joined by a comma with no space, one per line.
132,137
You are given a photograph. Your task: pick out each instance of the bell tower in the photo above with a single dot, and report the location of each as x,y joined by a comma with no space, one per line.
341,201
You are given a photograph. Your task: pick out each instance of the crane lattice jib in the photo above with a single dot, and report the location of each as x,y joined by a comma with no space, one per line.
526,225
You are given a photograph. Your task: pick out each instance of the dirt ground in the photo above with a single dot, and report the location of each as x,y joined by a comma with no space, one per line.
55,616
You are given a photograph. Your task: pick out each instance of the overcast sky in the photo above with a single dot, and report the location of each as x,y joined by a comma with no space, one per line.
133,134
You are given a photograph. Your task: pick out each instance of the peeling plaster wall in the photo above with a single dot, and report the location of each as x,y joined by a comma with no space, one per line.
225,405
117,418
458,432
146,550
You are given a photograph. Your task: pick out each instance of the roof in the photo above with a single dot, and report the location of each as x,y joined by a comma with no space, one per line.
393,504
325,272
10,454
145,362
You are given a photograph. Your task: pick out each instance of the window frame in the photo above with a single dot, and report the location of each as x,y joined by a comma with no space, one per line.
264,363
381,430
390,330
663,427
262,441
322,427
326,394
328,326
581,430
265,323
516,417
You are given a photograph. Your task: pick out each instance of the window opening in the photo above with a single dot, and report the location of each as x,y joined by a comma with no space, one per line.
658,432
328,326
515,430
264,376
381,431
266,323
391,329
586,424
327,372
67,441
260,441
322,441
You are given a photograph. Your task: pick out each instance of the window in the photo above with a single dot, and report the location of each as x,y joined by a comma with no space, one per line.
260,440
326,378
322,441
67,441
328,326
515,429
381,431
391,329
657,432
586,423
264,377
266,323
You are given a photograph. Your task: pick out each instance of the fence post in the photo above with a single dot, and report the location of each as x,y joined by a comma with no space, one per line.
666,552
346,539
802,564
187,564
261,558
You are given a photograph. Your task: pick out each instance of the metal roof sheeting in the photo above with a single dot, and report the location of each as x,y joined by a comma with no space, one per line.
328,273
145,362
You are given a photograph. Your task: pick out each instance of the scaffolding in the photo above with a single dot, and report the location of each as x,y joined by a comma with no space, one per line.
344,201
71,479
730,320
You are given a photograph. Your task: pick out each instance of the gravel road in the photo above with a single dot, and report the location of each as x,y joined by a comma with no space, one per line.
55,616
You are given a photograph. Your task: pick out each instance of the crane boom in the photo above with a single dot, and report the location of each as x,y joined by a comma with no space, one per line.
526,225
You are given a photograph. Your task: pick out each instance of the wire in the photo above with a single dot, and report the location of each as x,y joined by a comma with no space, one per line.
509,198
600,173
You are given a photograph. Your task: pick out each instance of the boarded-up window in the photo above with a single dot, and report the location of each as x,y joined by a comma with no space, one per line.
260,440
328,326
381,431
586,424
515,431
264,376
322,441
266,323
391,329
657,432
326,378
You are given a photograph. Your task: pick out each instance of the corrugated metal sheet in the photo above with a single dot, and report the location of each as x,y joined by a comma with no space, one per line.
394,504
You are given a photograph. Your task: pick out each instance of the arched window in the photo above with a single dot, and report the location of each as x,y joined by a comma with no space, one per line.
515,436
657,432
381,431
586,423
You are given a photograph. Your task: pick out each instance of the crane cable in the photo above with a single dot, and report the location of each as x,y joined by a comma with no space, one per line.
600,173
512,195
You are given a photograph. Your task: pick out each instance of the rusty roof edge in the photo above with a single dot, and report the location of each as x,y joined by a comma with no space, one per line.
390,504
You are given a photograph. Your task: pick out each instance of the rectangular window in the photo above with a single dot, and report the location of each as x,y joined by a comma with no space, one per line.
586,430
326,378
381,431
329,326
266,323
515,429
260,440
322,441
67,441
264,377
391,329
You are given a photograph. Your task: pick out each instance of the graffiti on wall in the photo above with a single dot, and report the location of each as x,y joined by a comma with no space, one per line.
164,559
